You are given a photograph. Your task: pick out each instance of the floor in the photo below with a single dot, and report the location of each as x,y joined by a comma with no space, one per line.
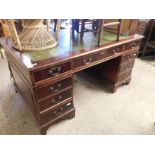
150,59
131,110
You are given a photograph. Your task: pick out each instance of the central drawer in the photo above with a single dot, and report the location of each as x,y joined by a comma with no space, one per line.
55,99
85,61
45,90
52,71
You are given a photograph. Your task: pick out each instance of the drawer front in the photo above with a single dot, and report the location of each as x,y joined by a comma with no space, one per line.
87,60
54,100
46,117
132,45
111,51
124,76
52,71
126,67
54,87
129,57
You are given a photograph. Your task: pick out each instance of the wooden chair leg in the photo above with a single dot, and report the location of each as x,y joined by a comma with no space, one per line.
55,24
58,29
82,28
100,32
119,29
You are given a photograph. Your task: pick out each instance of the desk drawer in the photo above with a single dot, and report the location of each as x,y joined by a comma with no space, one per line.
132,45
46,117
55,99
124,76
52,71
129,57
111,51
126,67
49,89
87,60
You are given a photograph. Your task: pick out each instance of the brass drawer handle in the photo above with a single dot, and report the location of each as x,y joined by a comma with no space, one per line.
57,100
54,71
115,51
133,45
102,53
59,85
87,61
54,90
68,104
118,49
51,88
131,56
58,111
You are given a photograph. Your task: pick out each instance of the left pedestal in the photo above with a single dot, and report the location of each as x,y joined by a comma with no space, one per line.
47,92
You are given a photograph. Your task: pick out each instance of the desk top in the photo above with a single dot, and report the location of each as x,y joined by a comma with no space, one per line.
68,47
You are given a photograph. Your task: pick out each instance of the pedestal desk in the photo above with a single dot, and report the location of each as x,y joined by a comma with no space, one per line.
45,79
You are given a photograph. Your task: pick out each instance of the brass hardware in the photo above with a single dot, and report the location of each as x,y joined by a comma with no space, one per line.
118,49
54,71
51,88
58,111
59,85
68,104
50,72
87,61
133,45
115,51
58,100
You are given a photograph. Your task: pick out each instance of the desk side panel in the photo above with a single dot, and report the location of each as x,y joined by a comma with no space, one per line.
25,90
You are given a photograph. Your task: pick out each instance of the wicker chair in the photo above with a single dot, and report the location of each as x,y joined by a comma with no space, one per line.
35,36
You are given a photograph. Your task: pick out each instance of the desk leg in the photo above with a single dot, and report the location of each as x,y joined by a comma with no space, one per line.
128,81
113,89
44,128
43,132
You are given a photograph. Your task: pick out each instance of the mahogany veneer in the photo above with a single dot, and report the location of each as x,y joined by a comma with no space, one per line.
44,79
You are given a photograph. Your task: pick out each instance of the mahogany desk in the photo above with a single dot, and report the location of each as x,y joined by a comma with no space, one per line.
44,79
